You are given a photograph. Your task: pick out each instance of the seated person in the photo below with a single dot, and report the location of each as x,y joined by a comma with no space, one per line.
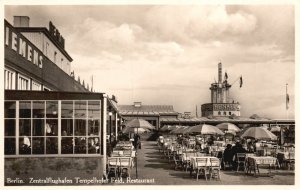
238,148
227,155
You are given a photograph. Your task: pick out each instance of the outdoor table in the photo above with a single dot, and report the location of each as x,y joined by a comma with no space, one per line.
284,157
186,157
116,161
253,162
120,153
194,164
124,146
119,163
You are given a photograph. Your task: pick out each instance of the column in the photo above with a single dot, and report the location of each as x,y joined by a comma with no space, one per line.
104,114
116,125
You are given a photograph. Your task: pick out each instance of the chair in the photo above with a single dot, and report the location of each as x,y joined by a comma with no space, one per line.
226,163
247,165
125,166
187,163
290,160
201,167
177,161
241,158
127,153
112,166
251,165
215,168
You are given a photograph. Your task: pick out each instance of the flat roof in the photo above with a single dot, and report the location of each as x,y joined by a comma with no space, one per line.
50,95
240,120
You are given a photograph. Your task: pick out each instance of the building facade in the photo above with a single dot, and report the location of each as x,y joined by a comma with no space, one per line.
151,113
27,67
53,125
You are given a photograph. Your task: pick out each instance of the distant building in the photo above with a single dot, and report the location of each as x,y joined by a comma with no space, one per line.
221,105
151,113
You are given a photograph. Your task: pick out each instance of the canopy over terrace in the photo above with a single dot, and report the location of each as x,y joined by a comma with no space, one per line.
218,120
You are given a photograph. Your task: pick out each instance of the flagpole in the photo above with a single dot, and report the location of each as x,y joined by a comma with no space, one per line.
286,101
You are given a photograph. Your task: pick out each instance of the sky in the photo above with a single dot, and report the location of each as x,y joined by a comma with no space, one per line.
168,54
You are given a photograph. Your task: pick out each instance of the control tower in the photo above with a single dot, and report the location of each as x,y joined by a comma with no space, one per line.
221,105
220,89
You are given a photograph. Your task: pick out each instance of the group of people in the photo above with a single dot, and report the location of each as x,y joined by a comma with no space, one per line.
229,154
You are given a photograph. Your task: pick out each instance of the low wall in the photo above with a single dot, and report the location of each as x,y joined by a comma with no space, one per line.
53,171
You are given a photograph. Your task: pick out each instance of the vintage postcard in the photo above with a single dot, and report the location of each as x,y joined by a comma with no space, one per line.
154,94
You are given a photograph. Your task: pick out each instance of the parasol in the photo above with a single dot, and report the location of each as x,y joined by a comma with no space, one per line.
228,127
259,133
275,129
138,124
204,129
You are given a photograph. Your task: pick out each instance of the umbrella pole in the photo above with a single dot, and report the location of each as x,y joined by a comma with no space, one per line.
136,159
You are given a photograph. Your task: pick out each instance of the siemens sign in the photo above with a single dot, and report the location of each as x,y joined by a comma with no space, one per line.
22,46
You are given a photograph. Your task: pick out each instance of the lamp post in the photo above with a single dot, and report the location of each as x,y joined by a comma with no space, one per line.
110,114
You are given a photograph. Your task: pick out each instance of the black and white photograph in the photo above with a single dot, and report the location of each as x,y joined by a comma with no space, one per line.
125,93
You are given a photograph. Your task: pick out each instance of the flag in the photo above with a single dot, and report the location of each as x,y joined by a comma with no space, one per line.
241,82
287,101
226,76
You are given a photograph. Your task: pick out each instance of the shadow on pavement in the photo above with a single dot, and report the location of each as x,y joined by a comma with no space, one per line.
163,166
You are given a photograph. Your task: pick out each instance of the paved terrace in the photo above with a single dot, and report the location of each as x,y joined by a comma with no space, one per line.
152,164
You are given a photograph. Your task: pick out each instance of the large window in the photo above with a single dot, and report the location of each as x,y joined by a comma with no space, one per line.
52,127
36,86
9,79
10,128
23,83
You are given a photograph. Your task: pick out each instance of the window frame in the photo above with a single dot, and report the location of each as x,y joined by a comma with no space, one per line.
59,132
11,85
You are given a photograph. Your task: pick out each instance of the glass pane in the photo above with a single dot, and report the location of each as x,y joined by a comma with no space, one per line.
38,109
51,145
80,127
80,109
67,145
52,109
80,145
67,127
93,127
10,127
25,127
25,109
38,145
67,109
94,109
10,146
94,145
25,145
38,127
10,109
51,127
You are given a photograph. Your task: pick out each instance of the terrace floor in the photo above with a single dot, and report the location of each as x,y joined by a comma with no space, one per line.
153,165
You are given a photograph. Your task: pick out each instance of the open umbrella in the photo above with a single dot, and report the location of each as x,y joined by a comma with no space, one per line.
165,128
179,130
228,127
230,132
259,134
275,129
138,124
204,129
135,130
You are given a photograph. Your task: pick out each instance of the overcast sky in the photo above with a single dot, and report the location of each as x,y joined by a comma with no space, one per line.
169,54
